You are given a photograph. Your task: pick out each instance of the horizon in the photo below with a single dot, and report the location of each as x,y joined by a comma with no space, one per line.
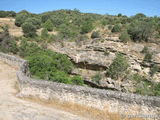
126,7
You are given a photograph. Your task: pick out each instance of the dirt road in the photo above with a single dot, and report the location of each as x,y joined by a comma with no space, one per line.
13,108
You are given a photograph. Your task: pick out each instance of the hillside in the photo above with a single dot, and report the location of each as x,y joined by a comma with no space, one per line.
108,52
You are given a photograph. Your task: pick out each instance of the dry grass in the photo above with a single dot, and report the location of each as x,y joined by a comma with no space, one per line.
88,112
13,30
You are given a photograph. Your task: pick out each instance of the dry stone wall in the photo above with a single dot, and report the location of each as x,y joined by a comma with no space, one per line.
112,101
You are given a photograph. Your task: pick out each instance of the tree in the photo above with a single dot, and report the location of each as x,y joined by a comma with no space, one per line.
20,19
118,68
48,25
87,27
29,30
119,15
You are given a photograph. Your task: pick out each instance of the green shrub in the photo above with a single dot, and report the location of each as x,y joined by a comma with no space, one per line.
97,78
145,50
77,80
148,57
34,21
48,65
87,27
7,43
154,69
118,68
29,30
140,31
116,28
3,14
13,47
145,87
44,33
106,53
110,27
48,25
95,34
20,19
124,37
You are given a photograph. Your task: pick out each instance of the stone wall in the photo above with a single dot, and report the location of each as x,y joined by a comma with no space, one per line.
111,101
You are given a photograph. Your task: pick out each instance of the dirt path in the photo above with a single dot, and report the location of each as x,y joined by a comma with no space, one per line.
13,108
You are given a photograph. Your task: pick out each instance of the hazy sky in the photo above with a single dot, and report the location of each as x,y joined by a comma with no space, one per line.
113,7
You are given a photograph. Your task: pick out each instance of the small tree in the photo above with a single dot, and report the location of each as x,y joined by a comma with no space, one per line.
48,25
20,19
118,68
29,30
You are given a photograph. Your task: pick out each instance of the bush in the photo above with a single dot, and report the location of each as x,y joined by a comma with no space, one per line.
48,25
48,65
145,50
34,21
44,33
110,27
106,53
95,34
20,19
154,69
77,80
140,31
44,18
116,28
3,14
118,68
86,27
124,37
148,57
29,30
7,43
97,78
66,31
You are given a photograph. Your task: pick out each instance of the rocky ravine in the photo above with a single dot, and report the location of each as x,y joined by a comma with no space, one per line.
89,58
13,108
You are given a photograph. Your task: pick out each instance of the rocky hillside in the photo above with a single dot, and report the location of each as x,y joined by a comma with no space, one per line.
94,57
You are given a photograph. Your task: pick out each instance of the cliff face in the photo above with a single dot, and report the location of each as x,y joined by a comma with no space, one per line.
95,56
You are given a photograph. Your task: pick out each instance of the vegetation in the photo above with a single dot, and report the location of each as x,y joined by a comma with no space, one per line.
145,86
20,19
86,27
48,25
4,14
124,37
140,31
95,34
97,78
29,29
116,28
118,68
7,43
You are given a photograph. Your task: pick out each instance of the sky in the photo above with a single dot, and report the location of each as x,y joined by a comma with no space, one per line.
112,7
